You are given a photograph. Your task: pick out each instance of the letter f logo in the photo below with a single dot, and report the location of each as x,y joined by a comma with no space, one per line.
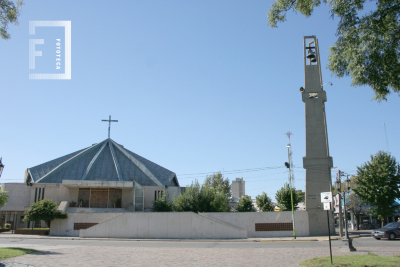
33,53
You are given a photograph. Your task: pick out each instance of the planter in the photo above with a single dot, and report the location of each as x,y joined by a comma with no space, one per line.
4,230
31,232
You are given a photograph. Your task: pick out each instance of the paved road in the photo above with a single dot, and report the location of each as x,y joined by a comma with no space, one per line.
58,252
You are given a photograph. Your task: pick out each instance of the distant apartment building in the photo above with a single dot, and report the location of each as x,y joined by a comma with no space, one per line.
238,188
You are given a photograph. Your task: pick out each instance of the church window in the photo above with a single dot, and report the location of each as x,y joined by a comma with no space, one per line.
139,198
99,197
35,194
43,194
158,194
39,194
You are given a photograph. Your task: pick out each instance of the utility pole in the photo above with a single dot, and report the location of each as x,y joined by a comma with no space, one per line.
291,191
340,208
291,160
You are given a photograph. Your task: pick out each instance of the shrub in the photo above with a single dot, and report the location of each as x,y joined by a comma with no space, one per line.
245,204
163,204
203,198
264,202
44,210
3,198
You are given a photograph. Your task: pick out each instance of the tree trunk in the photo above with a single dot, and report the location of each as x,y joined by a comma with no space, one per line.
358,221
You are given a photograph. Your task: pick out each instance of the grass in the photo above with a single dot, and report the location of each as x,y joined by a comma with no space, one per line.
6,253
369,260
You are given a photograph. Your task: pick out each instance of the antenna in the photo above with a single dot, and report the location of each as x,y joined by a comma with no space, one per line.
290,157
387,143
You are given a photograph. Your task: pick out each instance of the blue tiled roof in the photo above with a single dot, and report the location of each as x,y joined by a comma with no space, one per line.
104,161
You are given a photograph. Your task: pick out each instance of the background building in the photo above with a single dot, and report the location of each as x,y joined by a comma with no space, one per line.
238,188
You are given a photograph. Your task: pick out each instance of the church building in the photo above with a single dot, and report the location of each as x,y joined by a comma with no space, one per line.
105,176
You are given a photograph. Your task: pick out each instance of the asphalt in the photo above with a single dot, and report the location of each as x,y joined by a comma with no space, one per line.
9,235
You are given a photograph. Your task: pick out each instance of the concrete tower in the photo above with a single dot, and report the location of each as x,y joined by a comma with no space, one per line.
317,161
238,188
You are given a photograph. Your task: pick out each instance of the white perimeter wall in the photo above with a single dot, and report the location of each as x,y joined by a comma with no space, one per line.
247,220
182,225
185,225
65,227
177,225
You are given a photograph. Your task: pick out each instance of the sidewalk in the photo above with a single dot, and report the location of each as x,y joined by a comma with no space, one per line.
353,234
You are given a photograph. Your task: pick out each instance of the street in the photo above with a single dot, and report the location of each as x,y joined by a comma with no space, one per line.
59,252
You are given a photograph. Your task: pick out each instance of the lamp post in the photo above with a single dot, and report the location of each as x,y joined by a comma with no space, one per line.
347,241
291,191
1,167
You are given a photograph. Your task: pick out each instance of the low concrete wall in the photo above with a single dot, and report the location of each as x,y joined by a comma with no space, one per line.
65,227
63,206
180,225
247,220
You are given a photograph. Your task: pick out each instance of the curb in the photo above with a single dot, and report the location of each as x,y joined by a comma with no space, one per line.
133,239
179,240
313,239
338,238
286,240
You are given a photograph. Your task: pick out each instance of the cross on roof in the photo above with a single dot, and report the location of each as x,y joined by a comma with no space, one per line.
109,124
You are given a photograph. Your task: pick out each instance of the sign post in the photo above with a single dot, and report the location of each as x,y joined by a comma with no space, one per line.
326,199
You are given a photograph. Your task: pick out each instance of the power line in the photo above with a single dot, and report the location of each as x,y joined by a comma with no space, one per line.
233,171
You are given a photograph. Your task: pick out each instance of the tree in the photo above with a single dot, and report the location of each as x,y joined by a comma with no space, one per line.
367,46
163,204
283,196
3,198
203,198
355,205
217,181
245,204
9,12
44,210
264,202
378,184
301,196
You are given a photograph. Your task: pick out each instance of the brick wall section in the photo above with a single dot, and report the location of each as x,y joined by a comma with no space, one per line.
79,226
31,232
274,226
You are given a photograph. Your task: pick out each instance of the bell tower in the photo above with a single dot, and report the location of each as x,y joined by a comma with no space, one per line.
317,161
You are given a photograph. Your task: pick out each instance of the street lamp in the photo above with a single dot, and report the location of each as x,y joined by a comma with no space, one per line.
287,164
1,167
347,241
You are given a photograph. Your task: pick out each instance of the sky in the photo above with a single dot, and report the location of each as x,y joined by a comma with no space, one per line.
196,86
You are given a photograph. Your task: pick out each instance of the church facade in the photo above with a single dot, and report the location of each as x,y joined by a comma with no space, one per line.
103,177
106,190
